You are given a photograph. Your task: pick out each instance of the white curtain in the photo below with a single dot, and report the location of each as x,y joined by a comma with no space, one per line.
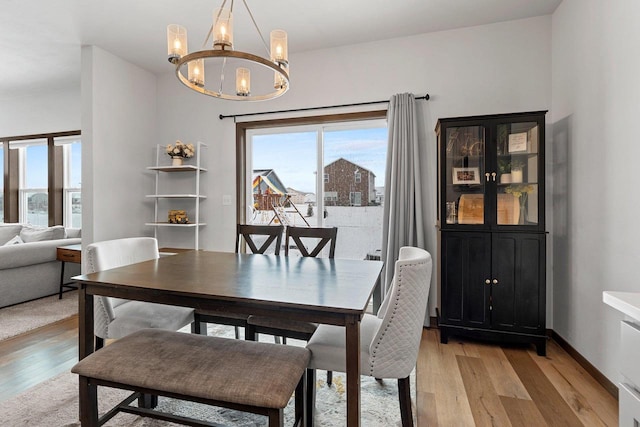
403,218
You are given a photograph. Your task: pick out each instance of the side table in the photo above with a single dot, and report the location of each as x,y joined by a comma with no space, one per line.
69,253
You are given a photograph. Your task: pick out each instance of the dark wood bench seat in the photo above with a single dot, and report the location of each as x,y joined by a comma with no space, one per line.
243,375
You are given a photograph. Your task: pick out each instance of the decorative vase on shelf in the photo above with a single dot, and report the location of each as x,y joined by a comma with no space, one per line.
516,175
523,208
176,161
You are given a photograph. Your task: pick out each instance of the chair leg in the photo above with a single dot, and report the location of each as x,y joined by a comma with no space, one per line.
329,378
250,333
404,394
99,343
148,401
311,397
237,331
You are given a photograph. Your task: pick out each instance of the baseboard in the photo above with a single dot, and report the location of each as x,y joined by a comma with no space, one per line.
586,365
611,388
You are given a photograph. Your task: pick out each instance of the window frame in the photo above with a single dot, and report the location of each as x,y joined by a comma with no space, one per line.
243,150
12,170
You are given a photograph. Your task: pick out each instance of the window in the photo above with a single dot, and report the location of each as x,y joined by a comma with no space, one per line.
40,179
295,156
33,182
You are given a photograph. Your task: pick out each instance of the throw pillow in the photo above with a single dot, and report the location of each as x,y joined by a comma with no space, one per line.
8,230
38,234
15,241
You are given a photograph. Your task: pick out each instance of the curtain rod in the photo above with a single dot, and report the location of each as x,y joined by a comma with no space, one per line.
426,98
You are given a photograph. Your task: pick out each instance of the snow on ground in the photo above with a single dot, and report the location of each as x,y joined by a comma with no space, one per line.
359,227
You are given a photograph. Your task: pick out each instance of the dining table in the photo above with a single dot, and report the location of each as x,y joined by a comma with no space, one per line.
321,290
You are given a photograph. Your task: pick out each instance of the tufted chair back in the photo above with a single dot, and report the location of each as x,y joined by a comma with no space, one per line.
394,348
110,254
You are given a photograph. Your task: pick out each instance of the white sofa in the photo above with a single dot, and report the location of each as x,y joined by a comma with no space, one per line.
29,270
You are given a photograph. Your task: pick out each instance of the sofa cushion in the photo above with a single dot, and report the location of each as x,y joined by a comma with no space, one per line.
31,253
39,234
8,232
73,232
15,241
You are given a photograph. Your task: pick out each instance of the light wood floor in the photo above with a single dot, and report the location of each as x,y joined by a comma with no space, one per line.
462,383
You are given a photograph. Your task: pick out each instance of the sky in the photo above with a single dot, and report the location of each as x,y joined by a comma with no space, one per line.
293,156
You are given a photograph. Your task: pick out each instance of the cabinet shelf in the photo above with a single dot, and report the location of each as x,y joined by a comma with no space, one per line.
176,196
183,168
188,176
168,224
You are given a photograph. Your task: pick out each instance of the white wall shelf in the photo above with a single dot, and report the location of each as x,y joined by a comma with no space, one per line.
164,172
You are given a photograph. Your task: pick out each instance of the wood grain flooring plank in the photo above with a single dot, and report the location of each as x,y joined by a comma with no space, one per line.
505,380
485,403
440,375
552,406
522,412
426,409
587,398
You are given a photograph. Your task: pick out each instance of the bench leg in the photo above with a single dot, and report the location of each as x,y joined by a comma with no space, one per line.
148,401
88,403
276,418
250,333
301,401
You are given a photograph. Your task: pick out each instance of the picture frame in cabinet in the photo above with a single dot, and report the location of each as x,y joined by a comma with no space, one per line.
466,176
518,142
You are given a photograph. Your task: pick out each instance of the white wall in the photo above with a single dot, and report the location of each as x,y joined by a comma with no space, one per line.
55,111
118,128
497,68
595,113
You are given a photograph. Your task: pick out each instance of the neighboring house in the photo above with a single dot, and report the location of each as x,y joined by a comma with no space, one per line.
348,184
379,195
300,197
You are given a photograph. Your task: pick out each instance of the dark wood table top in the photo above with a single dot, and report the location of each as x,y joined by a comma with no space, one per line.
332,285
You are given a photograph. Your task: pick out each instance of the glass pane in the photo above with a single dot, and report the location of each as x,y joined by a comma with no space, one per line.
465,175
284,179
355,162
37,207
76,209
37,167
517,173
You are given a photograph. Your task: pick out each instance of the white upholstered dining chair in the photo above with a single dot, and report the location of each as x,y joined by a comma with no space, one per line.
115,317
389,342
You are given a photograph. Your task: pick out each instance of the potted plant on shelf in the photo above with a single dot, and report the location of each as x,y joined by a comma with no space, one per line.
504,167
521,192
180,151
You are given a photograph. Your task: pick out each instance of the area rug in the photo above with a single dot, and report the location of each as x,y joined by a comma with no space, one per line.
55,402
27,316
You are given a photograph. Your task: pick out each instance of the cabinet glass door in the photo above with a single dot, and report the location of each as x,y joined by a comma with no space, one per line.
465,175
517,168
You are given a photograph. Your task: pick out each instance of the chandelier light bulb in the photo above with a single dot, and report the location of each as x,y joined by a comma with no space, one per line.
196,72
243,82
176,42
279,51
222,29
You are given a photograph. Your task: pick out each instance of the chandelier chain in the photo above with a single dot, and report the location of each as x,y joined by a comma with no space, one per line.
264,43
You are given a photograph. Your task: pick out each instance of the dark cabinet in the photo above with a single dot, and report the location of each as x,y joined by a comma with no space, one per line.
491,228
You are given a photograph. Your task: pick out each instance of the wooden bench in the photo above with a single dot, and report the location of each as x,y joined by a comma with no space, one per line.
241,375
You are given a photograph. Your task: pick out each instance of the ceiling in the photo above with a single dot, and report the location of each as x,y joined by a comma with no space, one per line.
41,39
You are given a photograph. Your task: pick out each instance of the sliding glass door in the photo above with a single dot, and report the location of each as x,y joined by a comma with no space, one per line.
320,176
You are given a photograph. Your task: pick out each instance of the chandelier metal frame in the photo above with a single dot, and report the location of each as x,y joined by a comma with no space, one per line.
279,67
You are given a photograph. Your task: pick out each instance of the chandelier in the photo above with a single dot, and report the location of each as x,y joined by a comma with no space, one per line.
273,68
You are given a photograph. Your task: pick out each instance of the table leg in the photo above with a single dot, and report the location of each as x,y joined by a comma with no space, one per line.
85,323
61,279
353,371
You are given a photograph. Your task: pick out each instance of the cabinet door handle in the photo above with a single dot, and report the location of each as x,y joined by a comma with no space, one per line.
487,281
495,281
493,175
487,176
